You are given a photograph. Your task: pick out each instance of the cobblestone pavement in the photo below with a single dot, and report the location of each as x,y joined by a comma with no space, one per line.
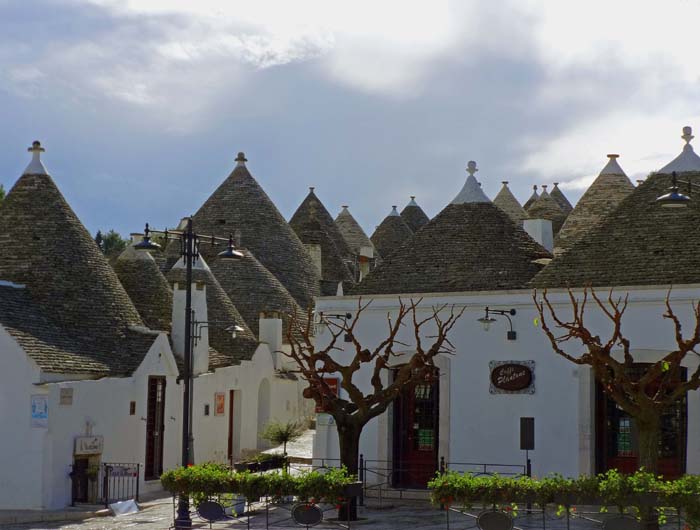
418,515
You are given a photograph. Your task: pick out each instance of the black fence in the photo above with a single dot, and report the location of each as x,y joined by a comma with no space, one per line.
105,484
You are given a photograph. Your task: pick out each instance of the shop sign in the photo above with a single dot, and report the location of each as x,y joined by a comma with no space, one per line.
89,445
40,411
512,377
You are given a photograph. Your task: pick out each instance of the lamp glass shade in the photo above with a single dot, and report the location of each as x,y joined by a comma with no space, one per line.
230,253
146,244
673,199
486,322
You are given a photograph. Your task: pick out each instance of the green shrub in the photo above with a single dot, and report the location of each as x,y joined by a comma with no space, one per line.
612,488
214,479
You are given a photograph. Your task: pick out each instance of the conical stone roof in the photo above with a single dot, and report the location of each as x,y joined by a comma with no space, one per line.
547,208
351,231
239,203
532,198
254,290
148,289
466,247
314,226
507,202
688,160
391,233
471,191
561,199
69,281
638,243
222,313
414,216
602,197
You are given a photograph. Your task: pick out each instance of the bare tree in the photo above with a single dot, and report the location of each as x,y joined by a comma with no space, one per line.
643,397
391,371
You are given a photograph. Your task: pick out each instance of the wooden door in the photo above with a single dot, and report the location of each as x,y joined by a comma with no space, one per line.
155,428
230,426
617,439
416,421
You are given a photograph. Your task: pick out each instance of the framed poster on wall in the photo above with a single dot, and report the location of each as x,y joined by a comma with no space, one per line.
219,403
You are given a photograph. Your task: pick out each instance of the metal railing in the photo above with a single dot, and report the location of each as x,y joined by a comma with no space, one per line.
105,483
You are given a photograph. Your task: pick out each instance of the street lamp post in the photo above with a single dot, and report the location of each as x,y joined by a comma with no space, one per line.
190,253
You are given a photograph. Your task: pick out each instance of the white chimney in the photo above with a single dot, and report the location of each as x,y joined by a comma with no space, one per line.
271,333
200,353
541,231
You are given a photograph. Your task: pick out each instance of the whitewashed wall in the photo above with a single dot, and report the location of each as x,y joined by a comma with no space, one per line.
105,404
211,432
483,427
23,449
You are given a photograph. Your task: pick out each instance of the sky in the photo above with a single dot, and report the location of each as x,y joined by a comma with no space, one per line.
142,105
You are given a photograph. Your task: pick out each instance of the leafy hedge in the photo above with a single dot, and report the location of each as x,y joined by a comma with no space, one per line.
215,479
638,491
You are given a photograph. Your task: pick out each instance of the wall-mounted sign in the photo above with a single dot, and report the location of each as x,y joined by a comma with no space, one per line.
40,411
66,396
89,445
512,377
219,403
333,384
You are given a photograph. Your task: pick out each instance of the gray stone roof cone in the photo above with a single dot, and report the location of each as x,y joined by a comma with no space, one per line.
532,198
74,315
688,160
239,203
254,290
391,233
471,191
148,289
507,202
469,246
414,216
314,226
561,199
545,207
351,231
605,194
638,243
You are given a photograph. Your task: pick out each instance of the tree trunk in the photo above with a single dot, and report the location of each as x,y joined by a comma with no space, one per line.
649,430
349,439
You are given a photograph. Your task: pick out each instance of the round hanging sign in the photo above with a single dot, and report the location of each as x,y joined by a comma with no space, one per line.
511,376
307,514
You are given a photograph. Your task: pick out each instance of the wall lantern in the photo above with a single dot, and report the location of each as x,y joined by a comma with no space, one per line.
487,320
674,198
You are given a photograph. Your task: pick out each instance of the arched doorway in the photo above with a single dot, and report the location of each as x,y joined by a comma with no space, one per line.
263,411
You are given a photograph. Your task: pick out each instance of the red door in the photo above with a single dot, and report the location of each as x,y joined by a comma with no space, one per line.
230,426
155,427
416,435
617,439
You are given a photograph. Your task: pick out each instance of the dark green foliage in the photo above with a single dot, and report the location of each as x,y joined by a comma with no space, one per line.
282,433
112,243
214,479
633,493
2,193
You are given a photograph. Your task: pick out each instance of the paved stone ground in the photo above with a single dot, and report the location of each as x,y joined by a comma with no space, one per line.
417,515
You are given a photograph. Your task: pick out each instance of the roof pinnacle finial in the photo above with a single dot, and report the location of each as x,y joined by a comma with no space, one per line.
413,197
394,211
36,167
544,188
687,134
241,159
613,156
471,168
534,187
311,189
504,182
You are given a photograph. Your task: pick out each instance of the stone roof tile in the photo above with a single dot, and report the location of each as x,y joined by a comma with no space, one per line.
638,243
414,216
391,233
351,230
507,202
466,247
602,197
240,204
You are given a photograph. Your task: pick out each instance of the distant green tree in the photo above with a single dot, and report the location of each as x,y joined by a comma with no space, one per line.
111,244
